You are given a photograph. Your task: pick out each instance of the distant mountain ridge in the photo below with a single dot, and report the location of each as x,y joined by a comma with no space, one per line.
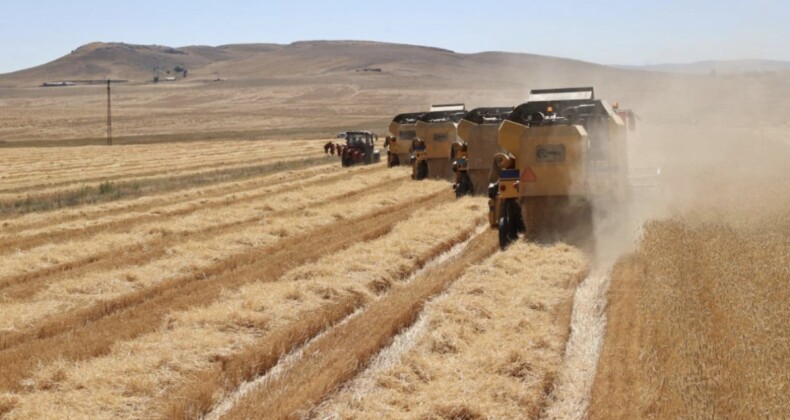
336,60
305,58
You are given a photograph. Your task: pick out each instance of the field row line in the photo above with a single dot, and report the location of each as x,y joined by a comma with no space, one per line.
89,174
33,163
259,307
46,220
92,332
127,189
26,285
336,356
51,235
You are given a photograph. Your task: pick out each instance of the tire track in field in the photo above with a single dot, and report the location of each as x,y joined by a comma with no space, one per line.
28,284
117,225
92,332
336,356
202,391
570,398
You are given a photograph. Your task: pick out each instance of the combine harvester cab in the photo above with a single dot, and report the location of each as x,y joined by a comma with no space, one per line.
360,149
436,132
565,151
402,131
472,153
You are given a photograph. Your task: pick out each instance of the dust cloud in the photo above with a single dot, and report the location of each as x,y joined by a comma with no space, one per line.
723,147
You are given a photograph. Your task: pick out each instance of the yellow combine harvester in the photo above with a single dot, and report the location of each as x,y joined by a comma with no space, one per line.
564,151
478,132
431,148
403,131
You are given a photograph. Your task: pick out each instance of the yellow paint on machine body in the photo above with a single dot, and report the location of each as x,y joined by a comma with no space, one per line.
403,134
565,152
478,134
402,128
569,160
436,132
481,141
438,138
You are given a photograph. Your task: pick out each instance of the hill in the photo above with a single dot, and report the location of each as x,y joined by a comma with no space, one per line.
312,58
312,88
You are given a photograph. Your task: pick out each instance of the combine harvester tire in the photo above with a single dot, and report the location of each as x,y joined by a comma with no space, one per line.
510,223
422,171
464,186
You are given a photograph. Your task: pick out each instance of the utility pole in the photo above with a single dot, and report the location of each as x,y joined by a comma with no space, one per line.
109,115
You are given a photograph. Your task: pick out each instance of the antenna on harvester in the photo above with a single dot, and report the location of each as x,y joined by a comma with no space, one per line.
109,115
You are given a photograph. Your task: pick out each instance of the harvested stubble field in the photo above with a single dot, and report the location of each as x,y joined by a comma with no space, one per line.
190,296
261,279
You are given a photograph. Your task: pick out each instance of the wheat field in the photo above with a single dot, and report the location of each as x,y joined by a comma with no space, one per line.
260,279
698,314
176,280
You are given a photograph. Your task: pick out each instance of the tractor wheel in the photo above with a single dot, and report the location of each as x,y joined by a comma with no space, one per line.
422,170
464,186
510,223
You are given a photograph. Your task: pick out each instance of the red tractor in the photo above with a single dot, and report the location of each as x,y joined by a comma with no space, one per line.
360,148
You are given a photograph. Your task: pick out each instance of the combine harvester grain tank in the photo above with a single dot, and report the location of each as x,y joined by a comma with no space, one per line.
402,131
436,131
474,149
564,151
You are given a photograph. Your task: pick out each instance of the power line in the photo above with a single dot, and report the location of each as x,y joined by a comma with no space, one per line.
109,115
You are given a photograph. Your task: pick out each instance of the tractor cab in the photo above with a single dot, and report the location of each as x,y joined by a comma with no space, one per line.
360,148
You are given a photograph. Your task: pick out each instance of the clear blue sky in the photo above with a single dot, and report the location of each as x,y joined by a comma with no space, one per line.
609,31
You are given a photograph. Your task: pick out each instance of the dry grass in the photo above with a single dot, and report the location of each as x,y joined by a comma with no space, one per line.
489,347
697,320
111,190
356,269
570,397
337,355
30,302
92,330
27,234
698,328
46,168
82,216
174,227
198,339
